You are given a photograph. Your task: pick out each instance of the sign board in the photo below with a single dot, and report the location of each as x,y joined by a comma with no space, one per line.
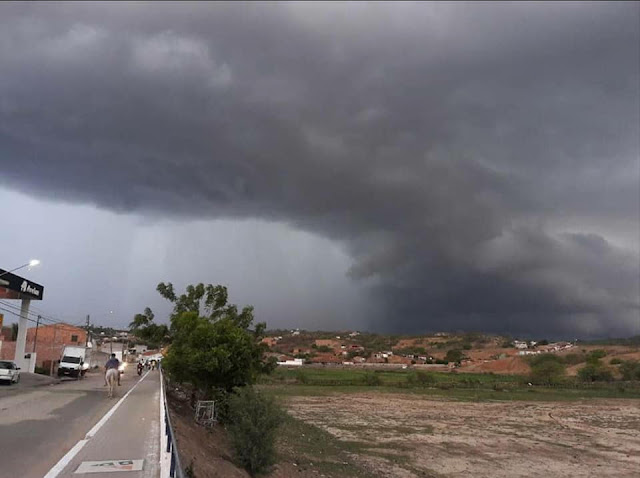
107,466
15,287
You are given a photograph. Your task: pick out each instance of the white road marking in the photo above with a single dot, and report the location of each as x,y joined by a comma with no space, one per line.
107,466
64,461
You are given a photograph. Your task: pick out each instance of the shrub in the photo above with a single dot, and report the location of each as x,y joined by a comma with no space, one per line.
372,379
467,347
445,385
41,370
630,370
301,377
546,369
574,359
252,431
421,377
411,379
615,361
425,378
596,355
188,471
595,372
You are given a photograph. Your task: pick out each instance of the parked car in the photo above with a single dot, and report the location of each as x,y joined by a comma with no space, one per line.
9,372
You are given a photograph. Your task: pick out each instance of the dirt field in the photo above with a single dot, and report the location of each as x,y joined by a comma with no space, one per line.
410,436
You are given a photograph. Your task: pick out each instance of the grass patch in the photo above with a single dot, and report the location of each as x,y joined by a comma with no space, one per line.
462,394
333,376
310,447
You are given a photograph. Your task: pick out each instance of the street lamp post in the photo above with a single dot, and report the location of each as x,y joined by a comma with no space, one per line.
31,263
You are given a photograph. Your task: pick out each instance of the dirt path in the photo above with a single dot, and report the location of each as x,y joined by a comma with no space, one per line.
407,436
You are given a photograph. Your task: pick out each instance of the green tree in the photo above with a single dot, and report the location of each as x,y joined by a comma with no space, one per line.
454,355
141,320
218,349
546,369
145,329
154,335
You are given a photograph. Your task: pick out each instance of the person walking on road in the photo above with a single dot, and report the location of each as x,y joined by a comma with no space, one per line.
113,362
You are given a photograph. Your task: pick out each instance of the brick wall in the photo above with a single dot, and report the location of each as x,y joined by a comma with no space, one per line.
51,341
58,334
43,351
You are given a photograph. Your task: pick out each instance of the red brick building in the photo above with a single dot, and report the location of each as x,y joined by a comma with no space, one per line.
58,334
50,342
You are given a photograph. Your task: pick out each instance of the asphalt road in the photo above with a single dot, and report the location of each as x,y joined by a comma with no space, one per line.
39,425
27,380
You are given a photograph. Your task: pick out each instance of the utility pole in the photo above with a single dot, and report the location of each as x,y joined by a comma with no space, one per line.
86,344
35,339
52,345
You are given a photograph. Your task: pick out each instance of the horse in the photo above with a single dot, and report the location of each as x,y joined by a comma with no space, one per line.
112,380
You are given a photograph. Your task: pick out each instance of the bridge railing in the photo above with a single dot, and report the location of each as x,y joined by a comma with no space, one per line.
170,465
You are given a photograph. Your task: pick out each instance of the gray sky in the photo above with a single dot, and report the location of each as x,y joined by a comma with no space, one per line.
395,167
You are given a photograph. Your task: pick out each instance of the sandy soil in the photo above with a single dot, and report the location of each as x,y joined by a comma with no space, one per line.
509,365
411,436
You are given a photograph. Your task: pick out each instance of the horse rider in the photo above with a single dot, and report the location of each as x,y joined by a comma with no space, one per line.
113,362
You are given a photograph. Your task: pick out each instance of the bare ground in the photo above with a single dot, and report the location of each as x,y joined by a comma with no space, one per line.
411,436
207,452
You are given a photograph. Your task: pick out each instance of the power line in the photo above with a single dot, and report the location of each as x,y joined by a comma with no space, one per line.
17,312
42,312
30,312
17,315
43,317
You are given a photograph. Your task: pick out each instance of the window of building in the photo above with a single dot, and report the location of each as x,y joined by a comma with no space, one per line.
74,338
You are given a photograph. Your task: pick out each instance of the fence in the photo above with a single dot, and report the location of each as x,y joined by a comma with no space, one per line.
170,460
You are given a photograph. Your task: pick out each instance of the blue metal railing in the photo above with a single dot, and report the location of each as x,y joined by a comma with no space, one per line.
175,470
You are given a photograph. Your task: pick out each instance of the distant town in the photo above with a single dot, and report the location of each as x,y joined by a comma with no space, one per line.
468,352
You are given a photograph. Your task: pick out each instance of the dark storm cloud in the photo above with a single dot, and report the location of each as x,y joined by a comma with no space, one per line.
480,162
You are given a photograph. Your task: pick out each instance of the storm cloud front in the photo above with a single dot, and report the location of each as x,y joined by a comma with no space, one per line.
479,164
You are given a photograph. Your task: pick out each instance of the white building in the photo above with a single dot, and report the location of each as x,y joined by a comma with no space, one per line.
519,344
295,362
